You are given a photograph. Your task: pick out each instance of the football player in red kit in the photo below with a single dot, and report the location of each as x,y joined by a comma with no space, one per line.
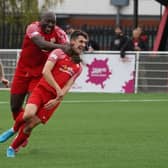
59,73
40,38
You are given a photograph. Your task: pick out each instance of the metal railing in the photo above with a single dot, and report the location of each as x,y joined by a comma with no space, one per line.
151,72
11,35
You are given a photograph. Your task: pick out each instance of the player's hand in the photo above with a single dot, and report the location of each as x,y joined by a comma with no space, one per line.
5,82
60,93
51,103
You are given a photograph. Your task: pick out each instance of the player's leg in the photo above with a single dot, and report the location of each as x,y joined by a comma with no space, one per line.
19,89
29,126
16,103
29,123
19,121
23,135
10,132
32,83
26,122
30,111
22,87
32,120
33,103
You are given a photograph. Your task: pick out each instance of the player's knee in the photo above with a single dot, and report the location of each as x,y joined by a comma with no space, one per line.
28,116
30,112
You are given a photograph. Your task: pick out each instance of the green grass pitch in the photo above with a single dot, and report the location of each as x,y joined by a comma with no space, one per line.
94,130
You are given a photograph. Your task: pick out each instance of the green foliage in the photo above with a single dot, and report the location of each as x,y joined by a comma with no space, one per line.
49,3
18,11
23,11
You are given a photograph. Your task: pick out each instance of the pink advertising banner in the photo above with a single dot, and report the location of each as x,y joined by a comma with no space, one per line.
106,73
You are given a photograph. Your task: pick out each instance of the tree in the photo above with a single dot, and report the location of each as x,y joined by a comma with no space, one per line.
18,11
49,3
23,11
14,17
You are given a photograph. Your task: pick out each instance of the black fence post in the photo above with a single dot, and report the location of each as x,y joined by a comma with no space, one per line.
3,23
135,13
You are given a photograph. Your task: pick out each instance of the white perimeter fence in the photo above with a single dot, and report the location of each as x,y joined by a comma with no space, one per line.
105,71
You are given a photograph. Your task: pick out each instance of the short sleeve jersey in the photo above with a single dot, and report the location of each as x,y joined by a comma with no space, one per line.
32,58
65,69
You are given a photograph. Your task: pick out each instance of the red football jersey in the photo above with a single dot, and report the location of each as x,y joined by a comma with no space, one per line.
63,70
32,58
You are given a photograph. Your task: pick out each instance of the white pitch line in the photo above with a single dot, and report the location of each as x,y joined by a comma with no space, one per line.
108,101
4,102
115,101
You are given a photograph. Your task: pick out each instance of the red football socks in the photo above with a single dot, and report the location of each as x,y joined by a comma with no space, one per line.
19,121
16,114
20,138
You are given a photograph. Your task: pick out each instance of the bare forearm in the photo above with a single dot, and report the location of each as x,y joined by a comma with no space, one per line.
51,81
68,86
1,72
46,45
49,45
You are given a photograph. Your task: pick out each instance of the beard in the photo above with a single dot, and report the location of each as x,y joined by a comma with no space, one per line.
75,56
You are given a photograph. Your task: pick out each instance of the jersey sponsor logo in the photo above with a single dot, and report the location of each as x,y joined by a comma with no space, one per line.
66,69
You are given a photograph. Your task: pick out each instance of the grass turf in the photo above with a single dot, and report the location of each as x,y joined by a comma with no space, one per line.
131,131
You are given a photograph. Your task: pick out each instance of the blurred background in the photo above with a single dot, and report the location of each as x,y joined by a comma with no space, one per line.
97,18
101,20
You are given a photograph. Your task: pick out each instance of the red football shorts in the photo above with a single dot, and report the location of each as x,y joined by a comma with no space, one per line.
39,97
23,83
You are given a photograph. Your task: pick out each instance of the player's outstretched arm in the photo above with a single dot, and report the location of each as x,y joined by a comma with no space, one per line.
46,45
2,76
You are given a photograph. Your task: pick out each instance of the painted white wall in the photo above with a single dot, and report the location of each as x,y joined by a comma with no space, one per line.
103,7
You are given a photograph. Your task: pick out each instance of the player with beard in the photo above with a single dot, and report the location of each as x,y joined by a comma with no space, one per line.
40,39
59,73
